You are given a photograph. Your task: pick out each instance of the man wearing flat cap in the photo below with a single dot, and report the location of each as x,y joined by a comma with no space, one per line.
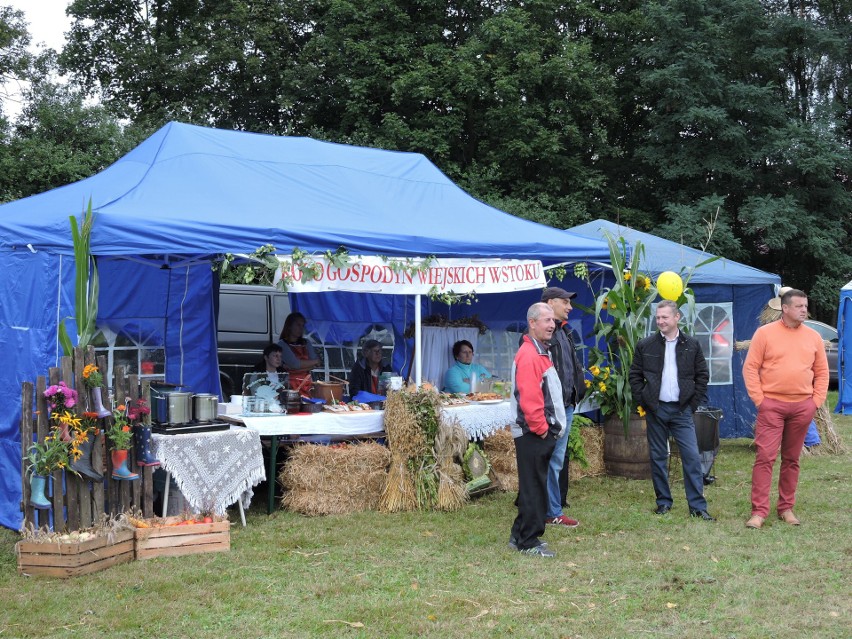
570,372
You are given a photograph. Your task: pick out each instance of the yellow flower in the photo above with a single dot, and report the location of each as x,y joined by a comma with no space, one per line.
70,419
641,411
605,375
627,276
602,387
588,383
594,370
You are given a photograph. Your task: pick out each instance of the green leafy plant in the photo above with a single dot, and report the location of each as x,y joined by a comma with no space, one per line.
92,376
622,314
576,448
119,432
258,268
48,456
86,284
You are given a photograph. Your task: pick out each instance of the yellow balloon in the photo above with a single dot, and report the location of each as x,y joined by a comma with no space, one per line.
669,285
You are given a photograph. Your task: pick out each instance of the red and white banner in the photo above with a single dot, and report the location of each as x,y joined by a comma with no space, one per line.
457,275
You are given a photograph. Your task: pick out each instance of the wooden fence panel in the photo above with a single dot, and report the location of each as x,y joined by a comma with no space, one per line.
78,502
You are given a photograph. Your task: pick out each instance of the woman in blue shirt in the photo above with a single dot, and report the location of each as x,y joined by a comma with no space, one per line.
457,378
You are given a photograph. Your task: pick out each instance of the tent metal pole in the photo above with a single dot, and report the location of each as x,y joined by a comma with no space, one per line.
418,360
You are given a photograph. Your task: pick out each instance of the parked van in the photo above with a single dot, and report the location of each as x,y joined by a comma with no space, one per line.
250,318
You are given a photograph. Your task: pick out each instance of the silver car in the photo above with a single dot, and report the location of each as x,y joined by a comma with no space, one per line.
829,336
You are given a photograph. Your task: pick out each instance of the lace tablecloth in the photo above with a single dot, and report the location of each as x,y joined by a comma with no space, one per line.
481,420
213,470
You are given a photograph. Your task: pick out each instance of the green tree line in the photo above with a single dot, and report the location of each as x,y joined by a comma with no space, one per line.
668,116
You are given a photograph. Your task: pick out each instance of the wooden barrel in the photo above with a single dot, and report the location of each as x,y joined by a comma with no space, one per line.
627,455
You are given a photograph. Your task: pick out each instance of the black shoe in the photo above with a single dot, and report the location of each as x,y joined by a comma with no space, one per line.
709,479
701,513
662,509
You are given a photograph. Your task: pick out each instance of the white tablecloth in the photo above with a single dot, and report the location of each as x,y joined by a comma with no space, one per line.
326,423
213,470
478,420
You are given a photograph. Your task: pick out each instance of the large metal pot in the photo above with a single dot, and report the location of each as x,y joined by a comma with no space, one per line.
171,407
205,407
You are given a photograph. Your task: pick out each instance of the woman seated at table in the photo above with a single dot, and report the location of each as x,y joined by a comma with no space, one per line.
457,378
298,354
271,365
366,371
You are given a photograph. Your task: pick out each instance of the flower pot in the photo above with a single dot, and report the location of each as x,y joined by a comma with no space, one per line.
627,454
120,471
37,496
64,433
83,466
98,405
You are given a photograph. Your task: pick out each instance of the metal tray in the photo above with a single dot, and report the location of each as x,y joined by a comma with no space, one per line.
183,429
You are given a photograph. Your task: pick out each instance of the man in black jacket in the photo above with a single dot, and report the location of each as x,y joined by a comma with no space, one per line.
367,370
570,371
669,378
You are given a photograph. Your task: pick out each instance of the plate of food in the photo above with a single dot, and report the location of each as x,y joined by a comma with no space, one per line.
453,399
351,407
485,398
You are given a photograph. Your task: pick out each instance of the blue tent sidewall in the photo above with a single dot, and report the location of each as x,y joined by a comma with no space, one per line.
170,308
844,347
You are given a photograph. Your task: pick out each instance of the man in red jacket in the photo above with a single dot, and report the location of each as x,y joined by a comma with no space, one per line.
540,420
786,375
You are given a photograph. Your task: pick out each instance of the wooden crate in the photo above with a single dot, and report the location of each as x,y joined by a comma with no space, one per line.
70,559
191,539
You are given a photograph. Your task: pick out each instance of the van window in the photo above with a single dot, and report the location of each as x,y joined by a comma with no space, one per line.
243,313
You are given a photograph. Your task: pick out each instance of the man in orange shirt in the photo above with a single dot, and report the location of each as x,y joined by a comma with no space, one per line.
786,375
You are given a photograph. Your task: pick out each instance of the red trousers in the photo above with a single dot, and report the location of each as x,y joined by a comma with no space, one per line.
779,425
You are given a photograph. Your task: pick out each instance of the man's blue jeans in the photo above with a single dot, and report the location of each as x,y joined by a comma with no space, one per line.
557,459
669,419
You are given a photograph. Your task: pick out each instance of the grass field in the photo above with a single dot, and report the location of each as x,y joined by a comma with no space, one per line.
624,572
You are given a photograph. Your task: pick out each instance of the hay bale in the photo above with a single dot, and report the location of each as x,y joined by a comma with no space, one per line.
325,480
593,443
500,449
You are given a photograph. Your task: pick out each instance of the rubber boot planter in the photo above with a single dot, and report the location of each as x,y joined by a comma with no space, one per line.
120,471
143,447
37,496
83,465
98,405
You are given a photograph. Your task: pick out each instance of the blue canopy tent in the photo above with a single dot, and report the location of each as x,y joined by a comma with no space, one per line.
844,355
729,297
188,194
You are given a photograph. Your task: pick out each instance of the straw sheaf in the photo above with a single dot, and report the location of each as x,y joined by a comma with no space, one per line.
450,444
399,493
404,435
830,443
320,480
500,449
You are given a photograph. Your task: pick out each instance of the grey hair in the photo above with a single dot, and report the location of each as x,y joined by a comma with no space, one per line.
669,304
534,311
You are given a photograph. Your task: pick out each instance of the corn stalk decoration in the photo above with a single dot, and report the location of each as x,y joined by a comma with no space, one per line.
86,284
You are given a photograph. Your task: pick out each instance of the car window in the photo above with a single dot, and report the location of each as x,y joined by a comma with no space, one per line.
825,331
